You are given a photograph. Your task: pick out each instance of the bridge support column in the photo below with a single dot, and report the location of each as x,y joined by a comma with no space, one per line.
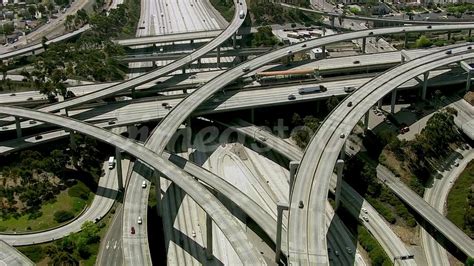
425,85
118,158
72,140
66,112
189,135
18,127
199,62
281,206
293,167
158,192
252,115
323,49
379,103
364,43
406,41
449,35
366,121
209,254
342,154
405,56
134,95
183,70
339,169
218,56
469,33
469,71
234,40
393,100
332,21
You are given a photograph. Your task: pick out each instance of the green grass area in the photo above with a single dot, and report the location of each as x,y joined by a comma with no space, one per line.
133,12
63,202
458,198
225,7
38,253
369,243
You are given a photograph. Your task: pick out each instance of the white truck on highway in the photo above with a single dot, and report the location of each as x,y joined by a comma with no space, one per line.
241,14
111,162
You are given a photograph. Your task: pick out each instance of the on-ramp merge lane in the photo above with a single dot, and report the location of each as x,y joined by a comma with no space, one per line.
218,212
306,239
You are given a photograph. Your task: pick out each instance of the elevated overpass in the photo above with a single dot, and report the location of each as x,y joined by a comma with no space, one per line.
394,21
176,55
313,178
298,248
354,202
10,256
218,212
37,47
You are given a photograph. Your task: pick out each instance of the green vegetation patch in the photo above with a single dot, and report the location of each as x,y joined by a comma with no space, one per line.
63,203
76,249
376,253
225,7
460,202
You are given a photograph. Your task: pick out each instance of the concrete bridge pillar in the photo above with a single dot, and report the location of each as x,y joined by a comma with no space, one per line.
218,56
405,56
425,85
331,19
189,135
323,49
234,40
199,62
469,71
469,33
339,169
158,192
379,103
364,43
406,41
281,206
393,100
72,140
252,115
209,254
366,121
18,127
449,35
183,70
293,167
133,93
118,159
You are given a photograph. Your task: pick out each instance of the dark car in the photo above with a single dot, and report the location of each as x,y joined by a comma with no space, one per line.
349,104
301,205
291,97
38,137
449,52
132,230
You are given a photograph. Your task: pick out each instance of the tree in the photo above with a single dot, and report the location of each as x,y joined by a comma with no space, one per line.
3,69
332,102
422,42
63,216
44,39
41,9
32,10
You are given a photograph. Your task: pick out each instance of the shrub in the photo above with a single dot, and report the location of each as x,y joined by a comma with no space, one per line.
34,253
79,190
62,216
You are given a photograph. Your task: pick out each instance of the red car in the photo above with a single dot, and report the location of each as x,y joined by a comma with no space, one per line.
132,230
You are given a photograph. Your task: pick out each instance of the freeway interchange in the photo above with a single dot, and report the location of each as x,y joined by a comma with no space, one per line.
306,239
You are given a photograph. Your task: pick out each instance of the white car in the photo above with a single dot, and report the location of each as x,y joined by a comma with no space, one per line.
144,184
139,220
